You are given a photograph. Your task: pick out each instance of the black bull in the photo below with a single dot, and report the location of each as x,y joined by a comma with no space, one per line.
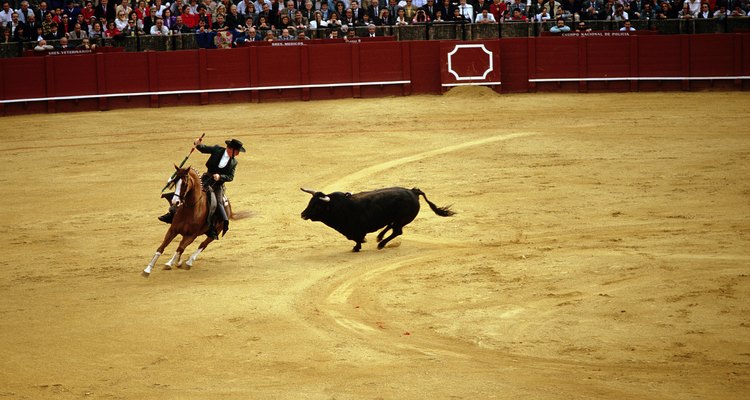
356,215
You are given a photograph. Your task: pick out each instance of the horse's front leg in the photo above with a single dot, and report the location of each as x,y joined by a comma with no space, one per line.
175,260
194,256
167,240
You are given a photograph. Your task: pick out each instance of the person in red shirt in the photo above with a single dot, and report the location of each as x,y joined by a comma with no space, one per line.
498,8
188,18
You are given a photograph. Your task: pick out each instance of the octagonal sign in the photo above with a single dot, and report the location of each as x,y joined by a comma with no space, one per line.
475,63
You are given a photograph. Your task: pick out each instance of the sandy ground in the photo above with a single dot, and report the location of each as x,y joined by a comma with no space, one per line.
601,250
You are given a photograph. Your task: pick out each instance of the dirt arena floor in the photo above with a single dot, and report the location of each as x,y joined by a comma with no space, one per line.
601,250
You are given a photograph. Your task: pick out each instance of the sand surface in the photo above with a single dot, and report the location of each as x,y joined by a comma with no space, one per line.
601,250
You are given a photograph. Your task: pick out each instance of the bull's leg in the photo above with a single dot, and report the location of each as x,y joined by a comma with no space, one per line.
167,240
194,256
396,231
382,233
357,247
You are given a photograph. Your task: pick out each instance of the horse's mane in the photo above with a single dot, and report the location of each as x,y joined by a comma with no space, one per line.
173,181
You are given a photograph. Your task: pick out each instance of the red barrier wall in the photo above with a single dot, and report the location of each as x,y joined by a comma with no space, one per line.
344,70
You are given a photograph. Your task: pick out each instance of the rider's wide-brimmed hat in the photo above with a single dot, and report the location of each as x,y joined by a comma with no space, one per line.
235,144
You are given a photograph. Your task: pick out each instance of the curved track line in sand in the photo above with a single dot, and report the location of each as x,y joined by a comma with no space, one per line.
347,180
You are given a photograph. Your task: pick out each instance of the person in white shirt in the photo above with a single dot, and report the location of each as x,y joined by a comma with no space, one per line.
485,18
627,27
159,29
5,13
467,10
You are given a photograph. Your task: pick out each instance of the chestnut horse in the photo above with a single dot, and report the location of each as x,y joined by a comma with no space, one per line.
189,220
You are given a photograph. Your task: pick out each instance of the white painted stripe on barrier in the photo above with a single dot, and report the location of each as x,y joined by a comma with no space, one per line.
472,84
242,89
642,78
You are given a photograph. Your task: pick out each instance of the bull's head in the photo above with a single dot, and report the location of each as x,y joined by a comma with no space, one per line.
318,207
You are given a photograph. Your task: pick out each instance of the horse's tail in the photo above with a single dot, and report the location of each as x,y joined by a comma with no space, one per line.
441,211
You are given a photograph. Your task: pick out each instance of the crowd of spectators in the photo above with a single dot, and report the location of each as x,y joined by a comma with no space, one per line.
225,23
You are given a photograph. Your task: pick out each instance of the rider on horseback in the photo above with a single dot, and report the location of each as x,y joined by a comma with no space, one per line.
219,169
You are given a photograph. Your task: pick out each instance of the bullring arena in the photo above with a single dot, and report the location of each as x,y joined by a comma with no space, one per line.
600,250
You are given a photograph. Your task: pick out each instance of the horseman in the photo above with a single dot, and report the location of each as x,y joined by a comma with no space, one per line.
219,169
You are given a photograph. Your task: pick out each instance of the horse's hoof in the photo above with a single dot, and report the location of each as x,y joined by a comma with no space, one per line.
145,274
167,267
187,266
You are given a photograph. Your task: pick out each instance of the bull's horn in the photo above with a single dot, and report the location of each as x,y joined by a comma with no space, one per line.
326,199
312,192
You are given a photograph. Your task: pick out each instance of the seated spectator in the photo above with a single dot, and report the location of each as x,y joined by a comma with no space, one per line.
371,30
560,27
365,21
179,27
385,18
96,31
627,27
285,22
189,18
169,20
666,11
704,13
86,45
517,16
149,21
422,17
263,22
64,44
133,29
401,17
351,34
564,14
250,35
486,17
112,30
122,20
204,36
737,12
269,36
234,18
458,17
721,12
619,14
7,37
543,15
159,29
438,16
348,18
88,11
685,13
582,27
39,35
592,10
334,34
43,46
77,33
647,12
54,34
285,35
220,25
334,22
318,21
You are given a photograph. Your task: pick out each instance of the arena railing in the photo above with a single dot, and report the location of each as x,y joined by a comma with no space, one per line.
430,31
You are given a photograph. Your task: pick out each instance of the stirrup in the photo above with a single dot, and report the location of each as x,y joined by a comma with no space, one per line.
166,218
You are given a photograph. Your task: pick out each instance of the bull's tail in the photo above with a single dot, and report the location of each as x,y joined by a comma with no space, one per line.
441,211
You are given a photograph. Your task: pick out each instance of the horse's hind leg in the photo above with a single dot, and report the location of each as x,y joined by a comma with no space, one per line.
194,256
175,261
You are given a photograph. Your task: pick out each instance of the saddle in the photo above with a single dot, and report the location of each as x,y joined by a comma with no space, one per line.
211,205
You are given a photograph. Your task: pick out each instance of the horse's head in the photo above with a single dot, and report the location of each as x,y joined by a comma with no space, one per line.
187,181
